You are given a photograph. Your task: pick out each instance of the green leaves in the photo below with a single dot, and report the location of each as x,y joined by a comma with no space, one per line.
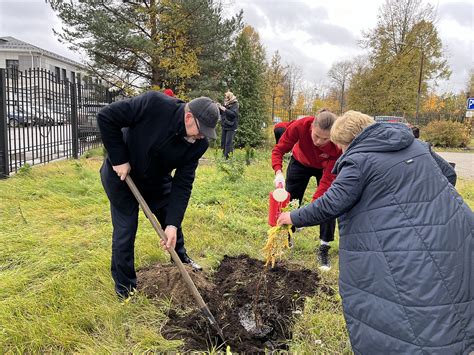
163,43
246,79
404,36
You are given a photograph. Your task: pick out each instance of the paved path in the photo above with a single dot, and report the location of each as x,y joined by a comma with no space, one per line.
464,163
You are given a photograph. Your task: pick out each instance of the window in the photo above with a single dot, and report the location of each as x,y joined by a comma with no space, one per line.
11,65
64,77
73,77
57,72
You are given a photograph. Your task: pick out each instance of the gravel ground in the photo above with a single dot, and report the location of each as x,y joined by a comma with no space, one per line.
464,163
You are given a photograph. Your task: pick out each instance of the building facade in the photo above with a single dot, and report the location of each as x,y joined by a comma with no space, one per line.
18,55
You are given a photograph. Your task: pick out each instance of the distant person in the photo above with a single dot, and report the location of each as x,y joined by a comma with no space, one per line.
280,128
148,137
406,247
416,131
313,155
229,121
169,92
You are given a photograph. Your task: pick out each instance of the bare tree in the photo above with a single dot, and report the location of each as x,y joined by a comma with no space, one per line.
340,74
292,82
275,79
397,24
470,83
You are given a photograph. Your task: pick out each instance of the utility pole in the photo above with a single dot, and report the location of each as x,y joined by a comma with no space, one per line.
419,84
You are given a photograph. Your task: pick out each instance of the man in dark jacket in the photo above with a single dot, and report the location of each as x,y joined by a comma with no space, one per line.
406,248
148,137
229,122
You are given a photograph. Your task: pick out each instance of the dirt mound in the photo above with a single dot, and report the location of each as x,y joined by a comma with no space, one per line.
165,281
254,308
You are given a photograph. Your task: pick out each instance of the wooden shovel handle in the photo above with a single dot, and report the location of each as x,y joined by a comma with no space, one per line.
184,273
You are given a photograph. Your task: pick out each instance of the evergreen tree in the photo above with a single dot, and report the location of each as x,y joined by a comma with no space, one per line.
149,43
246,79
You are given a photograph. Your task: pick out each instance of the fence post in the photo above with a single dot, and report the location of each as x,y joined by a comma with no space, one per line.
74,122
4,170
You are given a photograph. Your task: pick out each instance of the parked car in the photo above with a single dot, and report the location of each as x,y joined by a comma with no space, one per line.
18,117
397,119
42,116
59,117
61,113
87,113
392,119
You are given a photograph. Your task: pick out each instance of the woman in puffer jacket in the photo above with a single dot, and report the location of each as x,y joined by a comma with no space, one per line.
406,254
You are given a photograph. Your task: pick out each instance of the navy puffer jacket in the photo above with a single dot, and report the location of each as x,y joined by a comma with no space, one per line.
406,253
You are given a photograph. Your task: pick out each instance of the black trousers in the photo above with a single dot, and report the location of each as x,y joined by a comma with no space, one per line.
297,179
123,243
227,142
278,132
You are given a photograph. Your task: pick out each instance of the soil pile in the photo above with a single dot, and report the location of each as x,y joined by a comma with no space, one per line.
165,281
255,308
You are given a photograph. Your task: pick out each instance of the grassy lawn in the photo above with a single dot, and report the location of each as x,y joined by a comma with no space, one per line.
57,294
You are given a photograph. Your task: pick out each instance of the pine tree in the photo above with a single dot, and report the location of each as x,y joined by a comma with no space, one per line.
246,79
149,43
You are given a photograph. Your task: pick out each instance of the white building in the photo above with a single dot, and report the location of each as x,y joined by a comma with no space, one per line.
16,54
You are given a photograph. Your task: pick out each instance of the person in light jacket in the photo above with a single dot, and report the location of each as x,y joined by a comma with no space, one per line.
406,253
229,121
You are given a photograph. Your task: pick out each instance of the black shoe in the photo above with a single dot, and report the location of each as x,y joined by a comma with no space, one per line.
323,257
187,260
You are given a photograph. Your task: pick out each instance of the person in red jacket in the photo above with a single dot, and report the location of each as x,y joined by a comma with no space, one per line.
313,154
169,92
280,128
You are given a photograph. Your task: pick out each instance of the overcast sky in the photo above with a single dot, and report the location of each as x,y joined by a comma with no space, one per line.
311,34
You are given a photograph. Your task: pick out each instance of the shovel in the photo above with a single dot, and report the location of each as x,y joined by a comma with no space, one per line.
187,279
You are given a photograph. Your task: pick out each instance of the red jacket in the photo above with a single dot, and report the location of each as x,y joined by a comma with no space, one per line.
283,124
298,137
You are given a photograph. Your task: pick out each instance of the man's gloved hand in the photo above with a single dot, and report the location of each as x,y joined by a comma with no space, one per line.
279,179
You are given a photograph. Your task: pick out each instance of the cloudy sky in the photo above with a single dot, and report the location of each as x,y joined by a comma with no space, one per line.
311,34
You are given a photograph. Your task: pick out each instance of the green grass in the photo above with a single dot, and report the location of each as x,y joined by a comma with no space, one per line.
56,291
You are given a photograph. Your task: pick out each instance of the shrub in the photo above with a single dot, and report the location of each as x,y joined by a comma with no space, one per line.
249,154
446,134
25,170
233,168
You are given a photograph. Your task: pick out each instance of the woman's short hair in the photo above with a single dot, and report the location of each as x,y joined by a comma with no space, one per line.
348,126
324,119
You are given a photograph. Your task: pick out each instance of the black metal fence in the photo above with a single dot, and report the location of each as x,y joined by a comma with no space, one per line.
43,118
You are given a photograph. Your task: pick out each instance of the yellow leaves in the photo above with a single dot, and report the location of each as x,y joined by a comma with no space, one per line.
300,102
433,103
277,242
172,50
